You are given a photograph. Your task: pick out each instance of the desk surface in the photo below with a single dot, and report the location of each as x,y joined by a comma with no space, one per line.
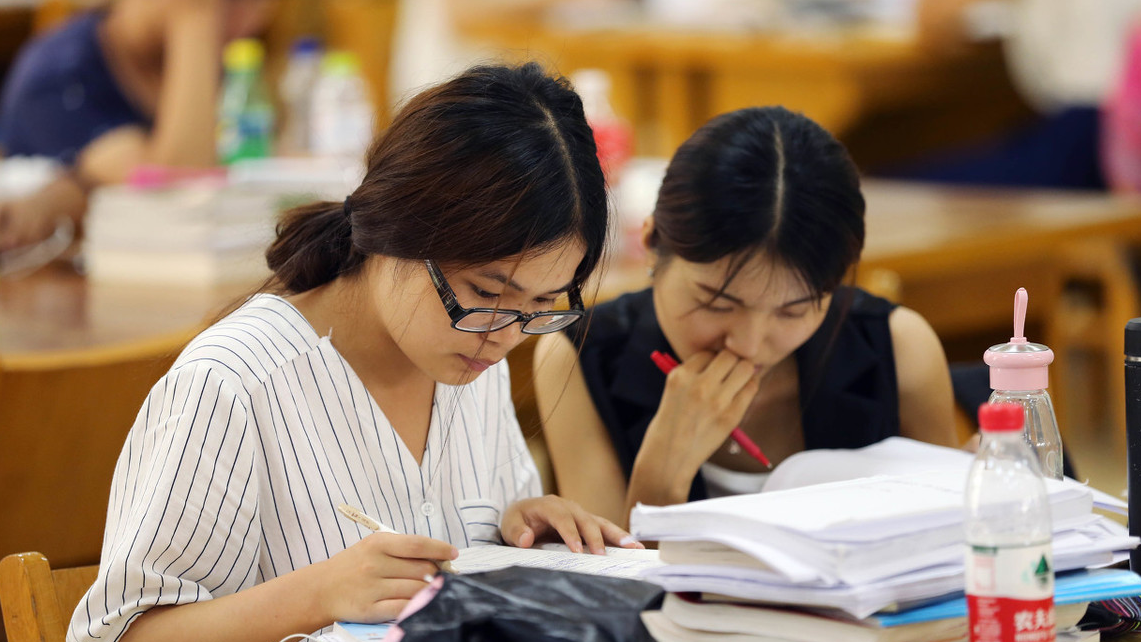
57,310
917,232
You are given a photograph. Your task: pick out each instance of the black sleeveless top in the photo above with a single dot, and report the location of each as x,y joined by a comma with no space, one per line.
849,396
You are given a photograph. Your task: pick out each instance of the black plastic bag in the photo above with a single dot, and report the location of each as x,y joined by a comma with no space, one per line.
534,605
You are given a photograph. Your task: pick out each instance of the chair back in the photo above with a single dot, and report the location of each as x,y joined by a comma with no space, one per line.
37,602
63,418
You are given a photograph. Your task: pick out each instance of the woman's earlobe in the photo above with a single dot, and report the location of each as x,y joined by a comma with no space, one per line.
649,243
648,240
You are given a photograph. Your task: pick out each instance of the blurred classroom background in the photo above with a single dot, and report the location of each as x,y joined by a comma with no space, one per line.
917,90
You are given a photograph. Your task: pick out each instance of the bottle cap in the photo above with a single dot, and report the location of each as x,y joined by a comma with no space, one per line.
305,46
1133,338
1000,417
340,63
1019,364
244,54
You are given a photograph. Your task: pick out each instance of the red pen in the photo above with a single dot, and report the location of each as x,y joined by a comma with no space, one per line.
665,363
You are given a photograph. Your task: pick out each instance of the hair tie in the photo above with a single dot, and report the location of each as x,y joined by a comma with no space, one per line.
347,209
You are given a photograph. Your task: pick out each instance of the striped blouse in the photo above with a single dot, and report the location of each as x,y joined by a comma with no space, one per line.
240,454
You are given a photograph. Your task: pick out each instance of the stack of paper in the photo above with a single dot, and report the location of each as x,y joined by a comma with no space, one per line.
202,231
859,545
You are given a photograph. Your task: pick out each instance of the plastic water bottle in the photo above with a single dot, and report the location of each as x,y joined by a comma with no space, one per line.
245,116
296,90
1009,566
342,113
1019,373
612,135
614,140
1133,432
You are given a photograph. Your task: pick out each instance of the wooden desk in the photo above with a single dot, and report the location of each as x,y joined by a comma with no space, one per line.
669,81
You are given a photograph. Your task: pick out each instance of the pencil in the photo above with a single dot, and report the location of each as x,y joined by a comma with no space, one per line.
360,517
666,363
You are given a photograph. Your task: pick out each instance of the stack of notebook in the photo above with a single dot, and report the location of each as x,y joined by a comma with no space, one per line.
856,547
202,230
693,617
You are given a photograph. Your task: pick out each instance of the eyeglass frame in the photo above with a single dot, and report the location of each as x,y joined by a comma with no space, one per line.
458,312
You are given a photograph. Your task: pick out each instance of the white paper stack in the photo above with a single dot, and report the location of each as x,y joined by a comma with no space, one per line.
859,545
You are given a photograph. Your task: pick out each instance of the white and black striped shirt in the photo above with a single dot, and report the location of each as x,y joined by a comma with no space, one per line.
239,456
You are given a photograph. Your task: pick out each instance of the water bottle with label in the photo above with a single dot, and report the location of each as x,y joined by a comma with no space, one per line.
296,90
1019,373
342,114
245,115
1009,563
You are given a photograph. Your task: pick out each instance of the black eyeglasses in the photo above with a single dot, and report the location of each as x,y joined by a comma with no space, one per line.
491,319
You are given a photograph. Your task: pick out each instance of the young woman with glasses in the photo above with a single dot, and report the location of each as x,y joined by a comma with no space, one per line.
371,374
758,221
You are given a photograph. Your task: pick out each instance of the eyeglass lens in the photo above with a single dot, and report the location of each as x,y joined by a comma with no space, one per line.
490,322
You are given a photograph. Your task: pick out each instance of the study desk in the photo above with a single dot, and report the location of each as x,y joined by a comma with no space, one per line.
668,80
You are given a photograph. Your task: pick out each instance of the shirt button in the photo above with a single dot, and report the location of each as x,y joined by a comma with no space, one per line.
427,509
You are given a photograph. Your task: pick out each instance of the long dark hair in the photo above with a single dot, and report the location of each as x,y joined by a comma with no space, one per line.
496,162
763,180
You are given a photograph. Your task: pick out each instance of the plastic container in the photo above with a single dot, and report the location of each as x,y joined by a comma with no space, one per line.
245,115
342,114
614,139
296,91
613,136
1009,565
1019,373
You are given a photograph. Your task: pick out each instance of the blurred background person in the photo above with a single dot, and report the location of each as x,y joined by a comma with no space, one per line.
114,88
1064,56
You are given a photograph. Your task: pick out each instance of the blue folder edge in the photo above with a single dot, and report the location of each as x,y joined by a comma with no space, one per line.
1069,588
366,631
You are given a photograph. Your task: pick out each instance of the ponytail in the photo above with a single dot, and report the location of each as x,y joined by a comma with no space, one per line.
314,245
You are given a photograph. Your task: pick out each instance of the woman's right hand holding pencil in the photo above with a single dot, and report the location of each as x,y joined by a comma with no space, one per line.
705,398
372,580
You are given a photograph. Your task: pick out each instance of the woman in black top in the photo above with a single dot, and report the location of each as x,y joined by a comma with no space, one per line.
758,220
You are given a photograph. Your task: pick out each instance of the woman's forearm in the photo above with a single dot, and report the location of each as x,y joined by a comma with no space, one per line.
264,613
185,120
658,478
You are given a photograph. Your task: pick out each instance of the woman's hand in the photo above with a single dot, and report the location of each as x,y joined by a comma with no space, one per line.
372,580
33,218
530,520
705,398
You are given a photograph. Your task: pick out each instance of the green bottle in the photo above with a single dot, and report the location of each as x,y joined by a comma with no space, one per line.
245,114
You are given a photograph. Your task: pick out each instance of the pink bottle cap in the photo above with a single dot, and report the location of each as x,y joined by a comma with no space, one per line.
1019,365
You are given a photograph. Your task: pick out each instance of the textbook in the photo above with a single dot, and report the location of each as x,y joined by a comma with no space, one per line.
200,231
680,620
709,617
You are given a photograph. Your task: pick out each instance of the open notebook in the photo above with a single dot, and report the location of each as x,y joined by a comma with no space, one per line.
618,562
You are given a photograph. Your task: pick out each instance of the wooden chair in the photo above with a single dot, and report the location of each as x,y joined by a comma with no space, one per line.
38,600
63,418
